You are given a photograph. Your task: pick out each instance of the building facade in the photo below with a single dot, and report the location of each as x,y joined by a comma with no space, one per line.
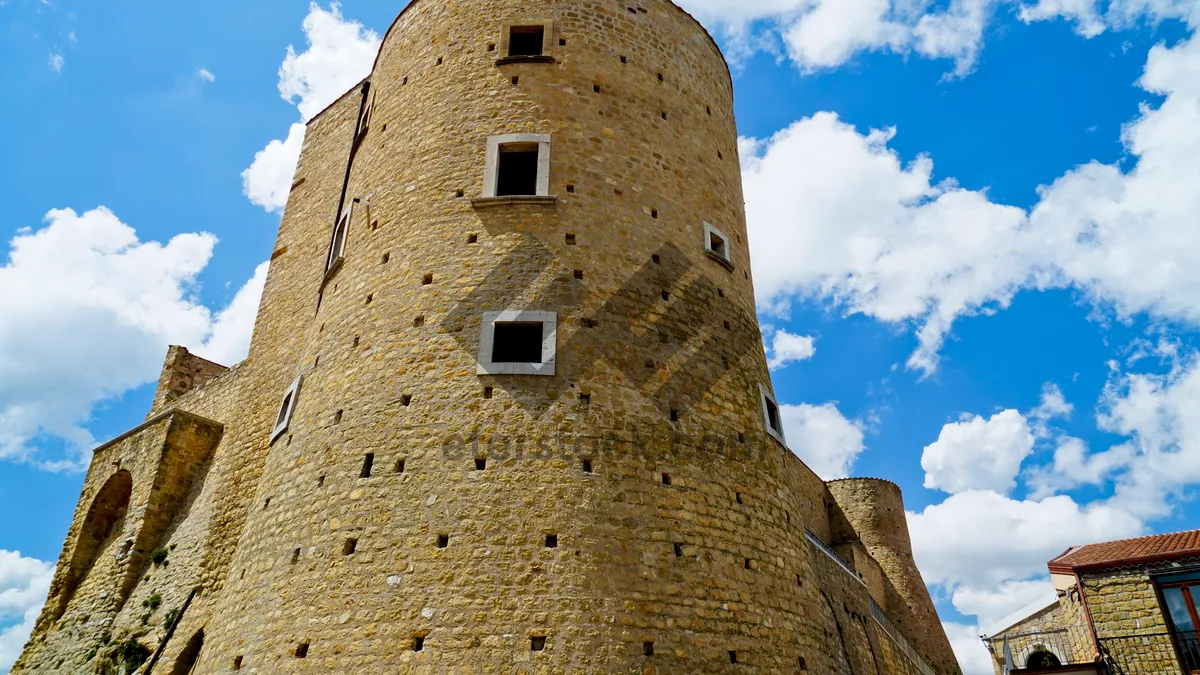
506,408
1122,608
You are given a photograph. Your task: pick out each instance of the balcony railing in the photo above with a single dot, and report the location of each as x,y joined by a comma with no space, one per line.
1159,653
1043,650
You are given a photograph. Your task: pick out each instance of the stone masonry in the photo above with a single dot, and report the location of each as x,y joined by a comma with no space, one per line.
630,513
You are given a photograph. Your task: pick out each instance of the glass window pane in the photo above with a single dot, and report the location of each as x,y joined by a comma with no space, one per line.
1178,608
1195,591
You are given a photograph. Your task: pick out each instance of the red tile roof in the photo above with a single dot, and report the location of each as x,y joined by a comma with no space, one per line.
1128,551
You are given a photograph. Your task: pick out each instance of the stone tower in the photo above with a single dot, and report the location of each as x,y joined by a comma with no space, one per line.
506,407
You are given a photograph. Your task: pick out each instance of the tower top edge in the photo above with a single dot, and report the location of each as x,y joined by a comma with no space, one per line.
412,3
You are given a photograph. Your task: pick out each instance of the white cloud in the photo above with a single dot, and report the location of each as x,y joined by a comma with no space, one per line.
24,583
787,348
972,655
57,62
340,53
978,454
1091,20
1161,416
206,75
836,216
995,604
822,437
229,337
268,181
1054,405
995,539
819,34
861,229
89,311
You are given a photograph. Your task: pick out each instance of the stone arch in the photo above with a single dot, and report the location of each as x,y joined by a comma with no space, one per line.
186,662
1040,657
104,519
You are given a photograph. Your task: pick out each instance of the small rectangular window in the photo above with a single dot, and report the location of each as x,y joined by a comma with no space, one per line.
526,40
516,165
518,343
518,172
771,416
716,245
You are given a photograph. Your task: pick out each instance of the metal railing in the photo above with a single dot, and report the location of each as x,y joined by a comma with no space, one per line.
876,611
1160,653
1043,649
885,623
832,554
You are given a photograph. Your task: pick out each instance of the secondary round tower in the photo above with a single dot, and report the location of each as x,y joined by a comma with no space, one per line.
506,408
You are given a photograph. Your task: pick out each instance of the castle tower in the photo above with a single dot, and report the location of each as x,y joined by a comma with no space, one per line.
875,509
506,408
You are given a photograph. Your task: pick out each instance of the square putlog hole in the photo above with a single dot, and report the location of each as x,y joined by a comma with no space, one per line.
443,540
302,650
552,541
418,643
537,643
350,546
648,648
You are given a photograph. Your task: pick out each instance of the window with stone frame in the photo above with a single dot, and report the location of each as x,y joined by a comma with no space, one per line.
517,166
527,41
771,415
717,245
518,343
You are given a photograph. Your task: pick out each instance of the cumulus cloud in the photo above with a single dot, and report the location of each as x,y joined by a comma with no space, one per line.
787,348
89,311
998,539
817,34
823,437
229,337
57,62
972,655
206,75
870,234
340,53
1092,18
24,583
268,181
978,454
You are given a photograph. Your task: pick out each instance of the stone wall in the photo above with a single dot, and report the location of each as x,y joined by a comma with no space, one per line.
629,513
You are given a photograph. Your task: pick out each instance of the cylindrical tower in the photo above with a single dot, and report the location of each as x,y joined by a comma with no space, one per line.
532,421
875,508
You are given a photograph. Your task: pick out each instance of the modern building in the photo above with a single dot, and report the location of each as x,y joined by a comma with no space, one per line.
506,408
1122,608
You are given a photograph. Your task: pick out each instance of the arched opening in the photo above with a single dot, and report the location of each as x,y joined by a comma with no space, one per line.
190,655
103,522
1042,658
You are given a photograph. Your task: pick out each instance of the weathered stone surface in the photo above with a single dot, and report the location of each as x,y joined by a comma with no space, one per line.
678,520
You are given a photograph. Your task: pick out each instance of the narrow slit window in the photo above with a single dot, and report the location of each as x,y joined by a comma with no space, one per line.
526,40
368,464
518,171
286,407
337,246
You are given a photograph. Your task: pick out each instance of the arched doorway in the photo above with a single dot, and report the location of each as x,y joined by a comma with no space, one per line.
1042,659
104,521
190,655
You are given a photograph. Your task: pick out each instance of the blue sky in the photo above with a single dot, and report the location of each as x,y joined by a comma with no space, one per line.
973,222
